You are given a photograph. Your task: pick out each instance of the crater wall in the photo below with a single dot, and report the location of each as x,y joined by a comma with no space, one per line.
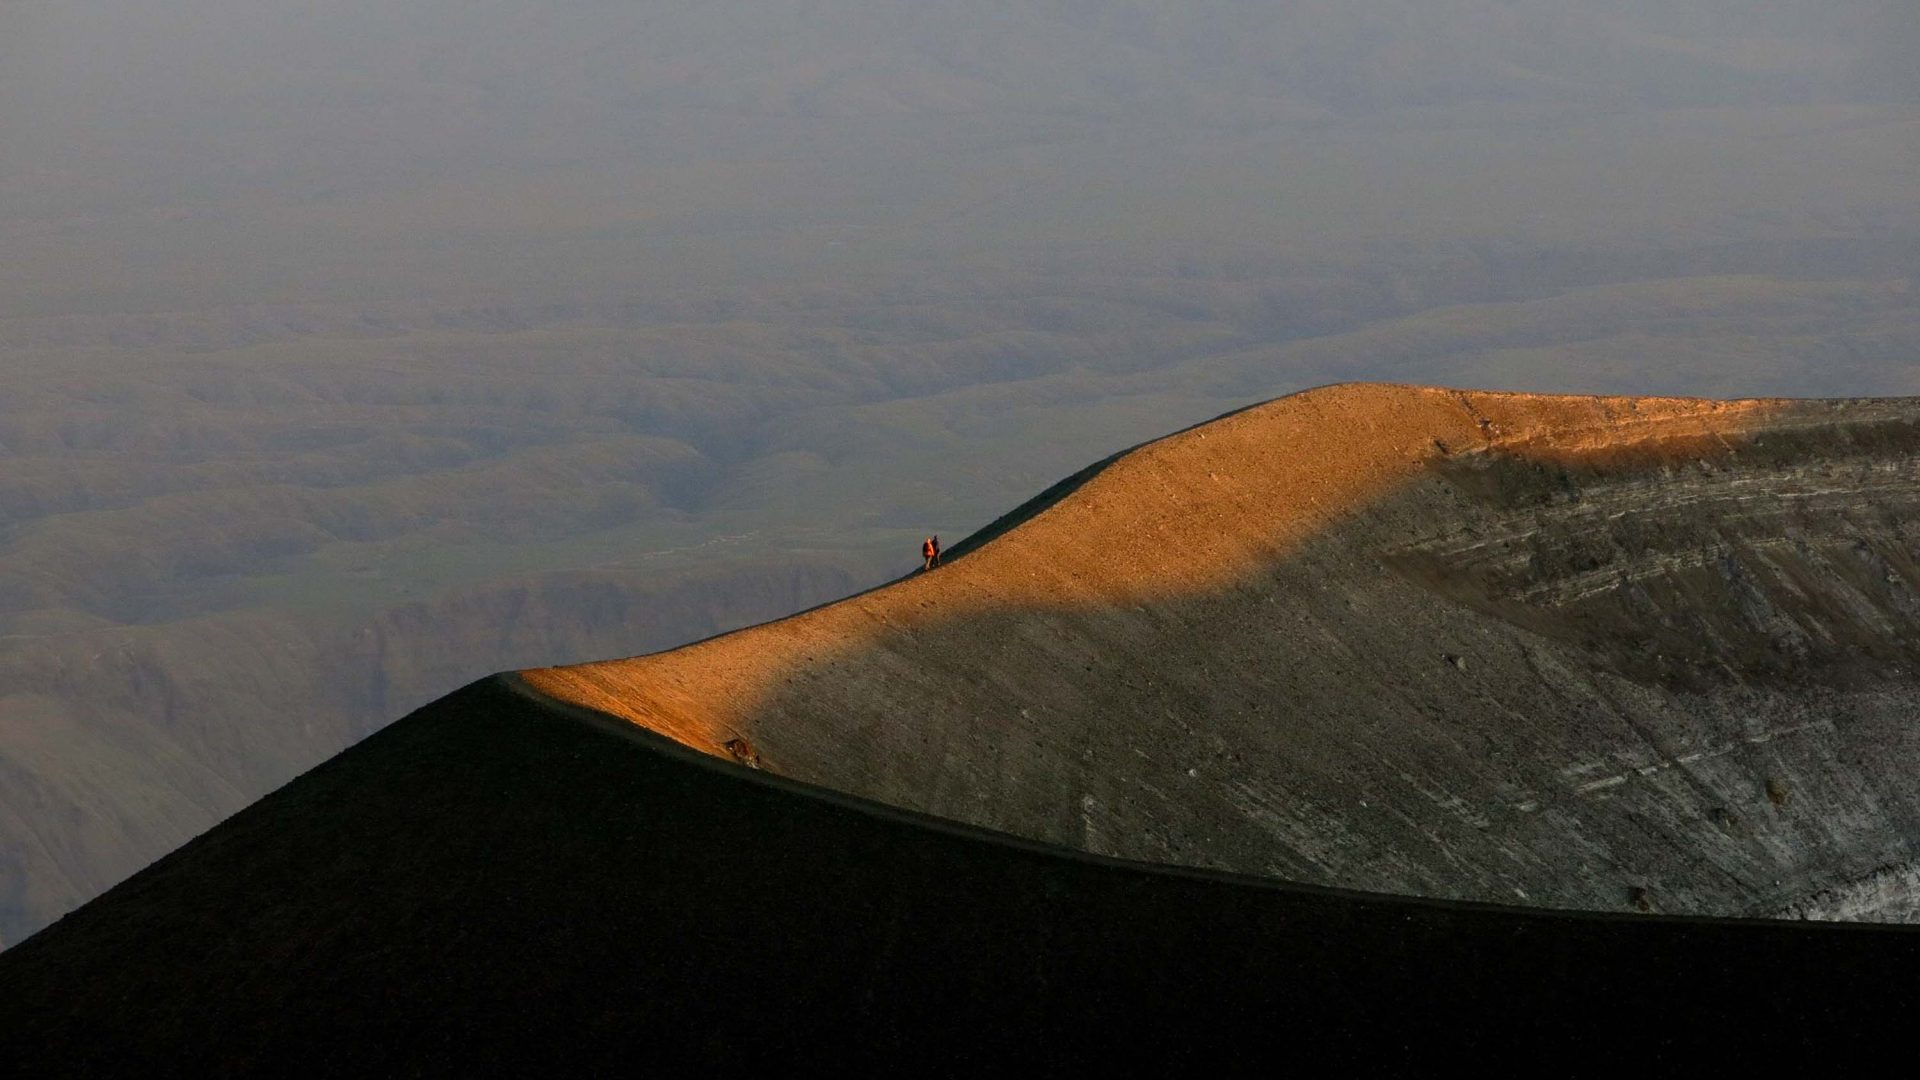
1571,652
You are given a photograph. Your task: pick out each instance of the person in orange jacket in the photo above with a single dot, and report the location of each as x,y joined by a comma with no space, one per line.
930,551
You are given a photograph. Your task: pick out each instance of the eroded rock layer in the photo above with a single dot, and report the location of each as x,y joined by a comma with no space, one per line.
1590,652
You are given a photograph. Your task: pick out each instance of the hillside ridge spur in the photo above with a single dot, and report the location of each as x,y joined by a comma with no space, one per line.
1178,513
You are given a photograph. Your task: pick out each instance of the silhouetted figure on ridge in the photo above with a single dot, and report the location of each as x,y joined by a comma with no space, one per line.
930,551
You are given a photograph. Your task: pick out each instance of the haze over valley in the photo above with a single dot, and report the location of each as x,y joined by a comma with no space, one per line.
350,353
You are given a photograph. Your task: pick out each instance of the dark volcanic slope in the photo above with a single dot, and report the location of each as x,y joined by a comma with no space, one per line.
1556,651
1592,652
497,884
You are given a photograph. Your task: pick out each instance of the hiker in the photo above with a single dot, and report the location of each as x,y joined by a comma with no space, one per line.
930,551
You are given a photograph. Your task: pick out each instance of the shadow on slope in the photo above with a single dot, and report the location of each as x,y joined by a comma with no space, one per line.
1579,667
497,882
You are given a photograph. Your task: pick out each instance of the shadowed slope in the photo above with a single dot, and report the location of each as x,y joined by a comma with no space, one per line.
1589,652
1174,517
1578,651
497,884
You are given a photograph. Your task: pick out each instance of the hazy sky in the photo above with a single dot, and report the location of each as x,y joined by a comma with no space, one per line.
215,151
